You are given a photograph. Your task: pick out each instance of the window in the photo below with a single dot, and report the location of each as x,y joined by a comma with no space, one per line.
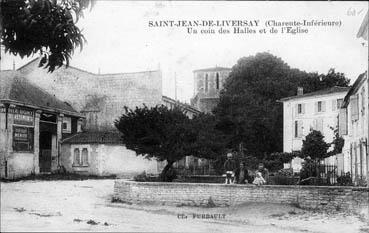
80,156
23,139
298,129
206,83
67,125
339,103
76,157
320,106
84,157
217,81
299,108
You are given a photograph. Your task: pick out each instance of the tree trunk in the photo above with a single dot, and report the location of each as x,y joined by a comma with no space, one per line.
166,175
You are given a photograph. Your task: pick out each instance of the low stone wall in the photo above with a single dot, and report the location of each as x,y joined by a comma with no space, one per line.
313,197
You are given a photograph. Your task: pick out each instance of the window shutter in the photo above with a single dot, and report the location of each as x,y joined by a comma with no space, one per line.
342,121
334,105
303,108
316,107
354,107
321,121
300,128
296,109
323,106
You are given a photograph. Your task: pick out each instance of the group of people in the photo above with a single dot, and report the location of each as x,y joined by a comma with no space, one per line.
240,174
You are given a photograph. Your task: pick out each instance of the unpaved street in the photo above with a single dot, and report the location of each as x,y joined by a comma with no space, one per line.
85,206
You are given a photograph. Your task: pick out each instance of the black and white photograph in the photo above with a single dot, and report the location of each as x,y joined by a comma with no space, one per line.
184,116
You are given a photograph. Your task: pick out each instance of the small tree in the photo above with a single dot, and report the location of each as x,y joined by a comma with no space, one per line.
314,146
157,132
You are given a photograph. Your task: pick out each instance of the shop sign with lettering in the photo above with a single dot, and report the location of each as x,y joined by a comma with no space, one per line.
23,117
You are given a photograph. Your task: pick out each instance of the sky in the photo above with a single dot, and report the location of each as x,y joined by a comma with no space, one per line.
119,39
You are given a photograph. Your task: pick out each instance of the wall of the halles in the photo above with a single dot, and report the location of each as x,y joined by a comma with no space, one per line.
108,93
117,159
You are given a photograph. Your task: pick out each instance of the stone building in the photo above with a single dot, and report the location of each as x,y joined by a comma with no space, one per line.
354,128
102,154
100,97
354,120
32,124
207,86
304,112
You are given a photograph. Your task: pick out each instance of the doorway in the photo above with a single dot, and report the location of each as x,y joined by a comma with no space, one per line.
45,151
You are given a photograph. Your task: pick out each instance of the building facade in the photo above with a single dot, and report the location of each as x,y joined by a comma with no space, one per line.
32,124
354,120
207,86
354,128
100,97
102,154
313,111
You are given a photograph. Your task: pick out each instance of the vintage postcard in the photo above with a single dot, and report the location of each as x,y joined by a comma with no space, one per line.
184,116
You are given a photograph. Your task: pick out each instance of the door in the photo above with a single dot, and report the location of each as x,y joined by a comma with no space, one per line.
45,152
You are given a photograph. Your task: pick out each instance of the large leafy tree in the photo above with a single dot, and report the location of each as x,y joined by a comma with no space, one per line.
248,111
168,135
47,27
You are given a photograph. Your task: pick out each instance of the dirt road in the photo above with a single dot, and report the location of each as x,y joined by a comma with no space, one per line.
86,206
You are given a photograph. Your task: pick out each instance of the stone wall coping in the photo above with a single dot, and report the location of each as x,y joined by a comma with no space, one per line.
353,188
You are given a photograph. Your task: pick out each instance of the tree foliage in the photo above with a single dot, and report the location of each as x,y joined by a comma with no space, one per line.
47,27
248,111
275,161
168,134
314,146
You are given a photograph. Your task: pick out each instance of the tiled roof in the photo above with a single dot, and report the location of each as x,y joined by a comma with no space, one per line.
15,88
354,89
331,90
108,137
185,106
213,69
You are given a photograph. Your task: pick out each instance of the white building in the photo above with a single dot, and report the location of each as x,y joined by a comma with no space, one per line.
354,121
305,112
354,128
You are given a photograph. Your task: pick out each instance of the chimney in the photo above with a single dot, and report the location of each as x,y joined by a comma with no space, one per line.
300,90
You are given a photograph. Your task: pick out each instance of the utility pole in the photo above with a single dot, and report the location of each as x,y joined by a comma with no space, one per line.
175,86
